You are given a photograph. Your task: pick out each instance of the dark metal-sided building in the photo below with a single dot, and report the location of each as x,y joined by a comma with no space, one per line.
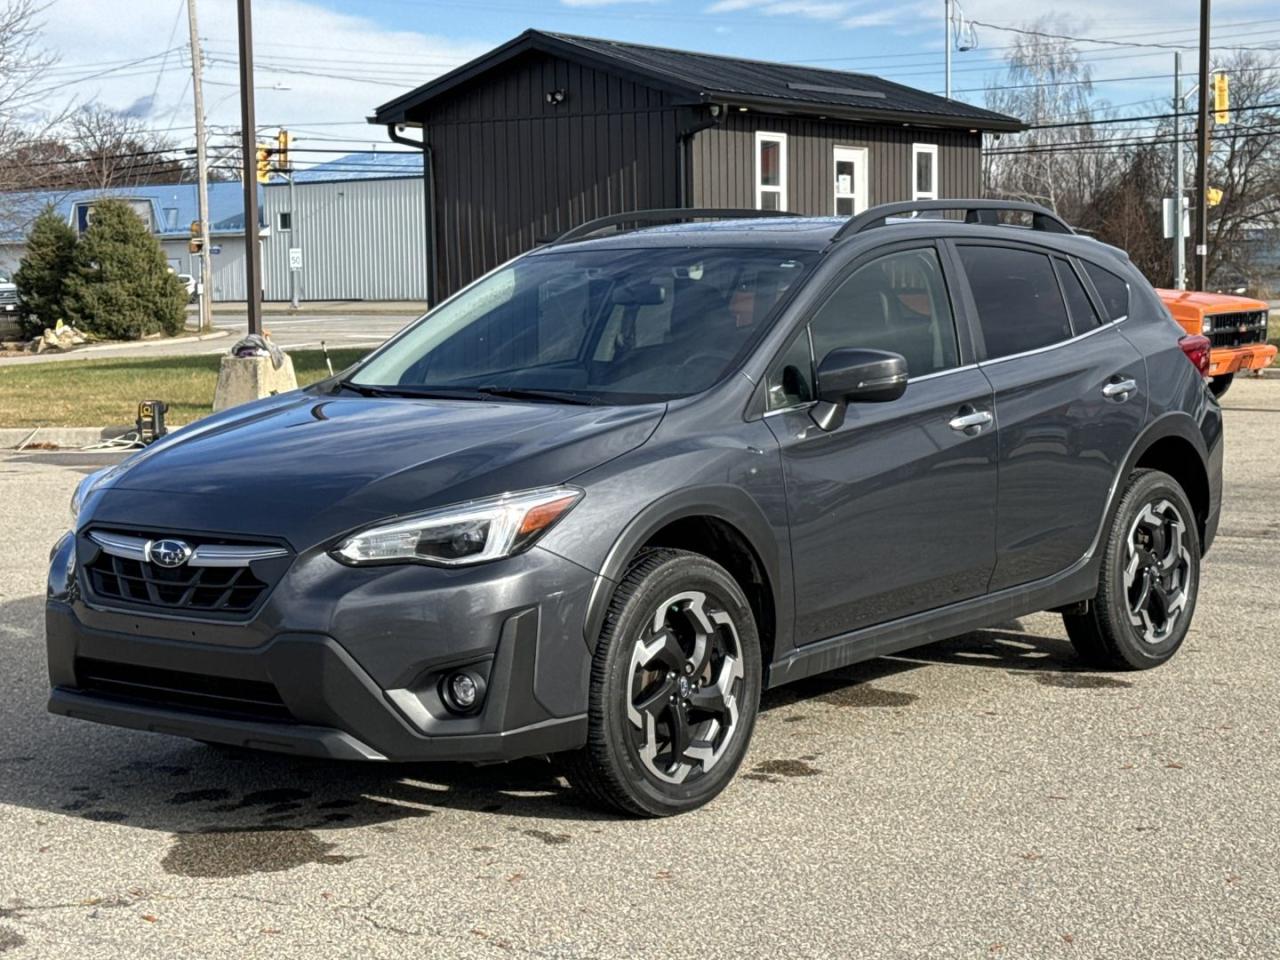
550,130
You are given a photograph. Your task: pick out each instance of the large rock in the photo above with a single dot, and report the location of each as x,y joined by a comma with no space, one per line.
241,379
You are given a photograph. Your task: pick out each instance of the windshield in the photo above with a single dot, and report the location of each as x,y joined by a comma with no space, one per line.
609,326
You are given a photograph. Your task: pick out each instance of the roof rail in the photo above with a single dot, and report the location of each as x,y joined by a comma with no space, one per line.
975,211
673,215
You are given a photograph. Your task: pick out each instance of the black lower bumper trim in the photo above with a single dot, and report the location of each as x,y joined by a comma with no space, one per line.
548,736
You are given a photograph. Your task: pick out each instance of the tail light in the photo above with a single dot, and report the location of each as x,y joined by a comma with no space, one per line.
1196,348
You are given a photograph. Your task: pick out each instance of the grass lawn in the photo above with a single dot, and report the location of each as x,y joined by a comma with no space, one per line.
97,393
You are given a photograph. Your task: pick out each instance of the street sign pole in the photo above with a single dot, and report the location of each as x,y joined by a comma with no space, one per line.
1179,188
248,145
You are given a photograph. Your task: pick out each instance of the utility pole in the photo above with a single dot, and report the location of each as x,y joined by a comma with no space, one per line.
946,7
1179,188
1202,159
248,173
202,173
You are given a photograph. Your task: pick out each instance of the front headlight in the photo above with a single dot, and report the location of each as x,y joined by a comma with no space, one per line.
465,533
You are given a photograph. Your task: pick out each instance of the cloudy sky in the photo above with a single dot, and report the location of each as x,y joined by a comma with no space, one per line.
323,66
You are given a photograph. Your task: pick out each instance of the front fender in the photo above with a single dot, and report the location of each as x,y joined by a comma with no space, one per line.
729,504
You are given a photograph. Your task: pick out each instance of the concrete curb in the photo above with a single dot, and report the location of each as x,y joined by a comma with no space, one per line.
353,308
134,344
81,353
64,438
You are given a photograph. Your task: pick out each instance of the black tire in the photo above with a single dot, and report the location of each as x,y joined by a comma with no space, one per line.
1106,635
1221,384
612,769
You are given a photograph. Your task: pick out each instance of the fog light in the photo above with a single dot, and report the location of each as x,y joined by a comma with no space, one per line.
463,691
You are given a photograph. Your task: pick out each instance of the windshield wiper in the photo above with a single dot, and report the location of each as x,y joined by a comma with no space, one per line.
492,392
542,396
425,393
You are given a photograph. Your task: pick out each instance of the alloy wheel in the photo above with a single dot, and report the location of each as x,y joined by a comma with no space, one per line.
1158,572
686,678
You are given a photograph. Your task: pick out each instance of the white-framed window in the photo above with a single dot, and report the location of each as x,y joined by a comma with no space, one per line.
771,171
924,171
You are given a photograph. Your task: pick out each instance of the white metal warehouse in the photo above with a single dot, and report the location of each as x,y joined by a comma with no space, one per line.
360,225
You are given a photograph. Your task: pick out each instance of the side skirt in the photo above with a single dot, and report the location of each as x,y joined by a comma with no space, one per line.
1073,585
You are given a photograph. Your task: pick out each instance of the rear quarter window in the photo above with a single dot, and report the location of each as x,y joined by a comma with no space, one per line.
1083,315
1113,290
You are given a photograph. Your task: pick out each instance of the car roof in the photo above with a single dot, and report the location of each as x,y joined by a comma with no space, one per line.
816,233
797,233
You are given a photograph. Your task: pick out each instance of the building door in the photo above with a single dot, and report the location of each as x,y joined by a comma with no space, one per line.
851,181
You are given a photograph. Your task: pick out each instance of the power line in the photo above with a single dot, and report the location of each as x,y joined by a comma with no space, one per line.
1089,82
1102,41
1146,33
1153,116
1246,133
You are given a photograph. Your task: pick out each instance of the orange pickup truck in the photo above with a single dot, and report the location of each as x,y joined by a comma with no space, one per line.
1236,328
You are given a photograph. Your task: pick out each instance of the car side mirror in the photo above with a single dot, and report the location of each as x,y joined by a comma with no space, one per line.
852,375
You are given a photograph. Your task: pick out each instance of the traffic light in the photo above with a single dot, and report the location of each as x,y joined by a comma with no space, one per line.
1221,99
264,164
196,243
1212,196
283,139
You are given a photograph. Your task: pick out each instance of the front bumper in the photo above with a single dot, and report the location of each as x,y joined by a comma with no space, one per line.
1228,360
343,677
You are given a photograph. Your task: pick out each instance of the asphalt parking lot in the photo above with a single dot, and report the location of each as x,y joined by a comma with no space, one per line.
981,797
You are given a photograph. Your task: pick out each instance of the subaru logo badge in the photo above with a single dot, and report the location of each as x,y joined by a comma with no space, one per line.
168,553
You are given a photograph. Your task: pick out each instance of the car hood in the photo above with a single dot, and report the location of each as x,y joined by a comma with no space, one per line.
308,468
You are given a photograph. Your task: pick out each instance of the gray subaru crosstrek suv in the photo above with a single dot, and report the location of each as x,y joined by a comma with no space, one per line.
597,501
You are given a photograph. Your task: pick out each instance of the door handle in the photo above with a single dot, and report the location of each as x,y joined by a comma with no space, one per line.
970,423
1119,389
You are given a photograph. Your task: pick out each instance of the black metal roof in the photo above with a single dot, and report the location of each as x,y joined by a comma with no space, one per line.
705,77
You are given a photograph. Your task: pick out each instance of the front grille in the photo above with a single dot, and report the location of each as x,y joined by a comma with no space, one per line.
1238,329
8,296
218,589
125,578
153,686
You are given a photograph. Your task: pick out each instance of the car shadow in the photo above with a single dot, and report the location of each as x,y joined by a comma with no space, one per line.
154,782
1050,661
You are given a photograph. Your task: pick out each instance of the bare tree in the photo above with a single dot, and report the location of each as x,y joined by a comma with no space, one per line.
117,150
1056,163
1126,210
1244,163
24,116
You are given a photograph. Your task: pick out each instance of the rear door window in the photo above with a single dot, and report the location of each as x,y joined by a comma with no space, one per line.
1113,291
1016,292
1083,316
